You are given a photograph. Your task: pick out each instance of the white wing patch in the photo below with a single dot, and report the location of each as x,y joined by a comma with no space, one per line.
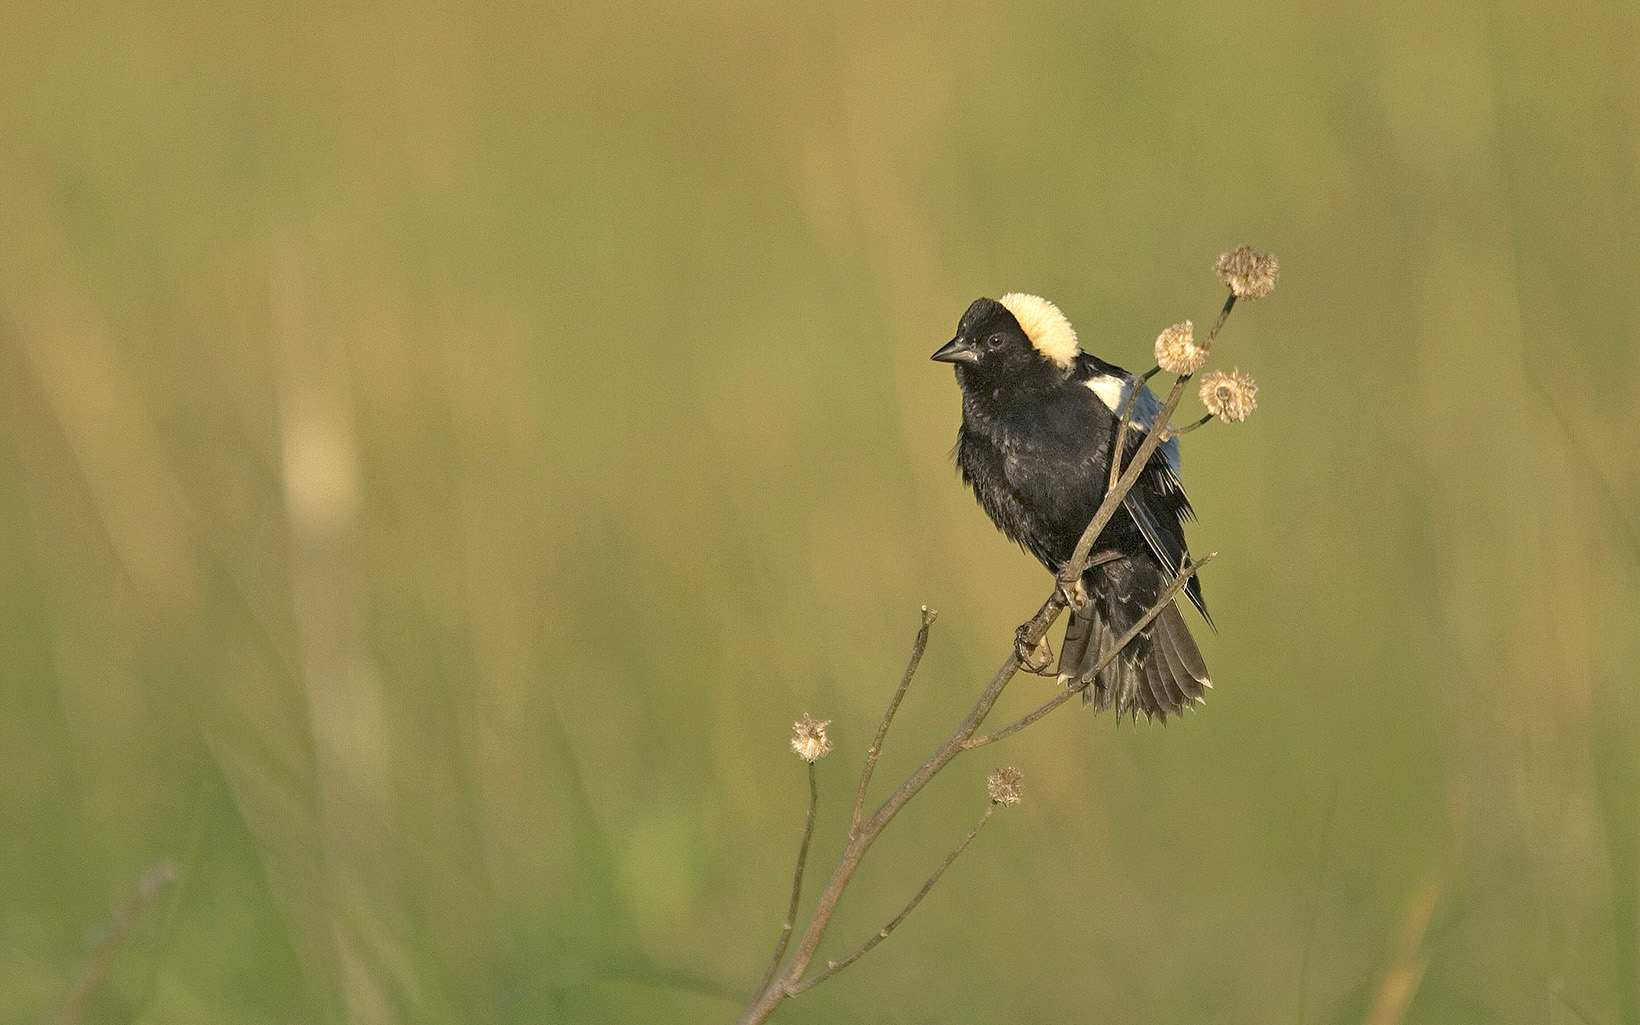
1109,388
1048,329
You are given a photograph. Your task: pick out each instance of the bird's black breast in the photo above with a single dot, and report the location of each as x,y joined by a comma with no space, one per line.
1038,466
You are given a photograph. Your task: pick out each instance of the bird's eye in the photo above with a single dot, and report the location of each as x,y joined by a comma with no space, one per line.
994,342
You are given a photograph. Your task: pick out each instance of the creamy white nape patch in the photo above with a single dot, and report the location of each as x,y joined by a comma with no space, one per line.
1110,389
1048,329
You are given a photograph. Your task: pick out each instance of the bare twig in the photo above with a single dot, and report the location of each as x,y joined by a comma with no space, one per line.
1174,432
833,967
1229,304
917,649
1173,588
797,883
1124,418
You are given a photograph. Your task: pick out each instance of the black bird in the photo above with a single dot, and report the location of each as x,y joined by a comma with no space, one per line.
1039,421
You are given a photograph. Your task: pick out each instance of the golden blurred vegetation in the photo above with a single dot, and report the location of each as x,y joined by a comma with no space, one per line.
445,446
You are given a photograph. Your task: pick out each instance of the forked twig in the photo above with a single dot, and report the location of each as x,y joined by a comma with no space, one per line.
833,967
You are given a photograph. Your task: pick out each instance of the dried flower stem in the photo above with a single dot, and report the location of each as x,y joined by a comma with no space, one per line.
1218,322
1124,420
917,648
797,882
1168,594
1174,432
833,967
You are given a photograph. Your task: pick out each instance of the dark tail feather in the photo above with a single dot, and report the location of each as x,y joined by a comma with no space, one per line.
1160,674
1165,683
1088,638
1184,659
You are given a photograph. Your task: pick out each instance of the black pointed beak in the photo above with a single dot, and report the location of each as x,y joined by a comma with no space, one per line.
957,350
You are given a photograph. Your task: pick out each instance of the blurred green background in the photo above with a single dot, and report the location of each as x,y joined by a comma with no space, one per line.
446,445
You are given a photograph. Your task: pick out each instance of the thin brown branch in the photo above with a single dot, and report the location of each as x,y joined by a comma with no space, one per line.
1229,304
833,967
1174,432
1124,418
1168,594
797,883
917,648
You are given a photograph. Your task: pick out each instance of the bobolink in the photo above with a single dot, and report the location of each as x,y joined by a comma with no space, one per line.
1039,421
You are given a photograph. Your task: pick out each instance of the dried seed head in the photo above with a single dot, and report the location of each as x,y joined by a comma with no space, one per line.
1003,785
1230,397
1177,351
1249,273
809,738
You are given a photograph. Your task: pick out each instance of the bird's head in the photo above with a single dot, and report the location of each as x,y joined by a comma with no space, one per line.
1019,338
